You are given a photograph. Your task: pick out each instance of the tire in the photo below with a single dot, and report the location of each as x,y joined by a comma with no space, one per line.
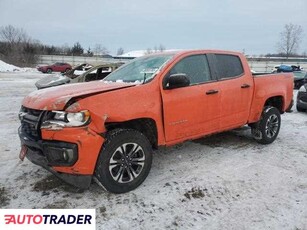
119,173
49,70
299,109
298,84
67,70
267,128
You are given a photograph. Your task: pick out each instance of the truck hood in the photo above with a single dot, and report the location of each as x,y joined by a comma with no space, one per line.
56,98
52,80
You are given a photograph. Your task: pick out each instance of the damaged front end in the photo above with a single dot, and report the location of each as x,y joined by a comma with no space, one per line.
61,142
62,133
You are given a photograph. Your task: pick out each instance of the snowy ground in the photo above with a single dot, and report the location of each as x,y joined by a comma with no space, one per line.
225,181
4,67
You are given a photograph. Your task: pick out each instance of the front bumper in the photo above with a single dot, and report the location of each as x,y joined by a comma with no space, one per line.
80,181
70,154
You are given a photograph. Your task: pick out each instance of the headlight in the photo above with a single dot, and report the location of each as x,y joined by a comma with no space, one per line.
302,89
66,119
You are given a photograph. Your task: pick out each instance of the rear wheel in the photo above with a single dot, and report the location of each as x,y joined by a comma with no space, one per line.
124,161
267,128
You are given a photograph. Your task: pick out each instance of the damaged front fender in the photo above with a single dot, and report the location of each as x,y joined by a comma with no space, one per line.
89,144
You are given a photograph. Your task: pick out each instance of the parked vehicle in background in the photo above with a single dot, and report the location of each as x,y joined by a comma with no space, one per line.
78,70
301,100
286,68
300,78
107,129
56,67
98,72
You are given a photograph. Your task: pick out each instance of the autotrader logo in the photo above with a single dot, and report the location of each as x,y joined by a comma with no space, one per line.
47,218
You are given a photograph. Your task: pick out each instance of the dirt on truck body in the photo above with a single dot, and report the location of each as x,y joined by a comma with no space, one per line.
108,129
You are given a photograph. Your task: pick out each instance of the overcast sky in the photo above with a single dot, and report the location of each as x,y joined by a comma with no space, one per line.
250,25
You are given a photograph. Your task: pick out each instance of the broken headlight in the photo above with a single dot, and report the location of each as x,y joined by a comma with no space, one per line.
66,119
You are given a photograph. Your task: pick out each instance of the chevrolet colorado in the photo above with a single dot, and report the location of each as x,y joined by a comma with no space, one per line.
107,129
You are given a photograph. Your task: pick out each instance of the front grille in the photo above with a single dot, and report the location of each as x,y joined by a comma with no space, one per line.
30,122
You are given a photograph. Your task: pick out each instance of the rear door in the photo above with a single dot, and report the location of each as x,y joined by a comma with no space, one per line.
236,89
193,110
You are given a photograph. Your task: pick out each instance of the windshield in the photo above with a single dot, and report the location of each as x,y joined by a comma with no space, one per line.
140,70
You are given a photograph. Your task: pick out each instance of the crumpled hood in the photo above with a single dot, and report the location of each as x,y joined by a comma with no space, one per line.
50,81
55,98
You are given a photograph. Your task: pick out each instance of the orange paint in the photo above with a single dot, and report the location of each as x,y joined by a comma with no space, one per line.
179,114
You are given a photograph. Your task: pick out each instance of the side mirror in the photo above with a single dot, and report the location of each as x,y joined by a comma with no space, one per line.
177,80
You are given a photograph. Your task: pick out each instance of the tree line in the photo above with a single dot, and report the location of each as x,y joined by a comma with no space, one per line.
18,48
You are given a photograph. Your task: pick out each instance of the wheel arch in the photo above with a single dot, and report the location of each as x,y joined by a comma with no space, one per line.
146,126
277,102
257,107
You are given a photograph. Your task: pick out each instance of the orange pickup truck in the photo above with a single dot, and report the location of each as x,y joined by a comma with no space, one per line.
106,130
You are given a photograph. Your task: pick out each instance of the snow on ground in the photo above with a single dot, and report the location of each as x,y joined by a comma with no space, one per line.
4,67
226,181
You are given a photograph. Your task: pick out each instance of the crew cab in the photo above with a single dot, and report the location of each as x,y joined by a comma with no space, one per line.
107,130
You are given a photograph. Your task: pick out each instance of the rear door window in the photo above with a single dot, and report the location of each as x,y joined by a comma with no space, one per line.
228,66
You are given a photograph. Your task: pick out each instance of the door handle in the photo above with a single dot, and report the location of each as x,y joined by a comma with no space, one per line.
244,86
212,91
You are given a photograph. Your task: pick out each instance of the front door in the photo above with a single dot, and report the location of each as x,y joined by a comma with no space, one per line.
193,110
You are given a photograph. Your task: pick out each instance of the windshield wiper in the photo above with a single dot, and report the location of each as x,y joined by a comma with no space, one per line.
151,71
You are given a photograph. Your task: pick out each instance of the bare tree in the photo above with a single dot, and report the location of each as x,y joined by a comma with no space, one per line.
65,49
148,51
100,50
17,47
120,51
290,39
104,51
13,35
97,49
161,48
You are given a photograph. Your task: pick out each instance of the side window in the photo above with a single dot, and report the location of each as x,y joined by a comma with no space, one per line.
195,67
228,66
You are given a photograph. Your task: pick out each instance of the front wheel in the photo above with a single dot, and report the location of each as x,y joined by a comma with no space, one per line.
267,128
124,161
